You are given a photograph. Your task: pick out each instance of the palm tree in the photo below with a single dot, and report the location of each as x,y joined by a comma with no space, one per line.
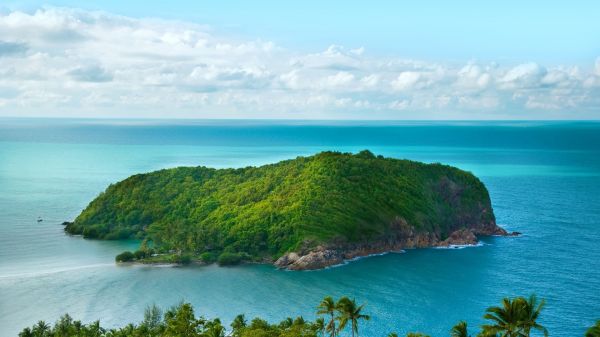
26,333
327,307
531,313
505,319
41,329
320,326
593,331
515,318
350,312
239,323
459,330
214,329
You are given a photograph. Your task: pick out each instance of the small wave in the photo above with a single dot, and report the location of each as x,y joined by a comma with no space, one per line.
348,261
156,265
478,244
54,271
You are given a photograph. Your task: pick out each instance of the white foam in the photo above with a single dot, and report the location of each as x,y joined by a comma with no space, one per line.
55,271
478,244
347,261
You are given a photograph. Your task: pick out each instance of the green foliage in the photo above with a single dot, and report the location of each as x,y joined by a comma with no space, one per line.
126,256
139,254
229,259
593,331
520,314
64,327
459,330
294,204
350,313
181,259
514,318
208,257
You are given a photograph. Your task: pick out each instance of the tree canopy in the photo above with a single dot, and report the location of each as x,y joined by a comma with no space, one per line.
266,211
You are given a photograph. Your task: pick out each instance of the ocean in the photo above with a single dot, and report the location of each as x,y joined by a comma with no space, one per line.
543,178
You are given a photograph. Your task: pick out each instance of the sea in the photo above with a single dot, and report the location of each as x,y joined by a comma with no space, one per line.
543,178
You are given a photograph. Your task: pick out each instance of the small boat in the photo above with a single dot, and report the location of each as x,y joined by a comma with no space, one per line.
39,219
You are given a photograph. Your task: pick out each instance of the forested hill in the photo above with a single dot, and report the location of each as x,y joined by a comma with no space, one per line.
328,199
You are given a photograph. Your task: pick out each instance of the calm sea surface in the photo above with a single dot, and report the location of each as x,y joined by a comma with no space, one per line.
543,177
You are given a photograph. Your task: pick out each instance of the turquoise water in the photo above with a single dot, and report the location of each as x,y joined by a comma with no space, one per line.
544,181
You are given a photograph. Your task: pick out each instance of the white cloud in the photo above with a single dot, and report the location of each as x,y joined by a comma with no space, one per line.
473,76
525,75
99,64
341,78
406,80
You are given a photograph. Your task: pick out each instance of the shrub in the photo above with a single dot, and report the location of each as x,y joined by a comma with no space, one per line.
185,259
208,257
126,256
140,254
229,259
180,259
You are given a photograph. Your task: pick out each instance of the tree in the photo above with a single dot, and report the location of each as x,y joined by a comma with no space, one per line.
514,318
531,312
239,323
327,307
593,331
152,320
350,312
320,326
41,329
214,329
459,330
126,256
26,333
182,322
392,334
505,319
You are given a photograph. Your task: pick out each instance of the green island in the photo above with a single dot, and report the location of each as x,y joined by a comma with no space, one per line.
304,213
514,317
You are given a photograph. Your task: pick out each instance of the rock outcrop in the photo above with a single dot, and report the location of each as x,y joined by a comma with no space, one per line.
406,238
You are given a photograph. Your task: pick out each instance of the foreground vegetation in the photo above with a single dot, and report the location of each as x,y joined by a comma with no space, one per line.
260,213
516,317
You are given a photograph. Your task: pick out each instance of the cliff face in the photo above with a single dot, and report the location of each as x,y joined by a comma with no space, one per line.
405,237
306,213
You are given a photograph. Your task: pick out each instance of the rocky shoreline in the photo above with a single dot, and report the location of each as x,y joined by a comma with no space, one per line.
405,238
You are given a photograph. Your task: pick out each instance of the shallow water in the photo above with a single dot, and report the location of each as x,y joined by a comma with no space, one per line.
544,181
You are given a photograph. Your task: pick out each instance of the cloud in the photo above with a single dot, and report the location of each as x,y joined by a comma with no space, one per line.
91,74
527,75
100,64
339,79
12,48
473,76
406,80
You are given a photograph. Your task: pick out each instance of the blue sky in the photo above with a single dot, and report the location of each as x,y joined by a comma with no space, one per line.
375,59
542,31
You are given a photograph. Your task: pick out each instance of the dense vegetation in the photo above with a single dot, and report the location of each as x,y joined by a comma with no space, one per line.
263,212
517,317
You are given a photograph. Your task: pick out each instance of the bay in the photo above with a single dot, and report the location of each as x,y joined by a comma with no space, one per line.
543,178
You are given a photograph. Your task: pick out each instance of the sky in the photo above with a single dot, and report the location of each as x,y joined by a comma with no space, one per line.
487,60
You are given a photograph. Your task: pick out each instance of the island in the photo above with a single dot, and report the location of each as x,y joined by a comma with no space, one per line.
300,214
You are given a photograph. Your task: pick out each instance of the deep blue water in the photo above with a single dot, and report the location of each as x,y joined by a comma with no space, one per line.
543,177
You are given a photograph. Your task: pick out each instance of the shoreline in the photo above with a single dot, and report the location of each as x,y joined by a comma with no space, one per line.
346,257
322,257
